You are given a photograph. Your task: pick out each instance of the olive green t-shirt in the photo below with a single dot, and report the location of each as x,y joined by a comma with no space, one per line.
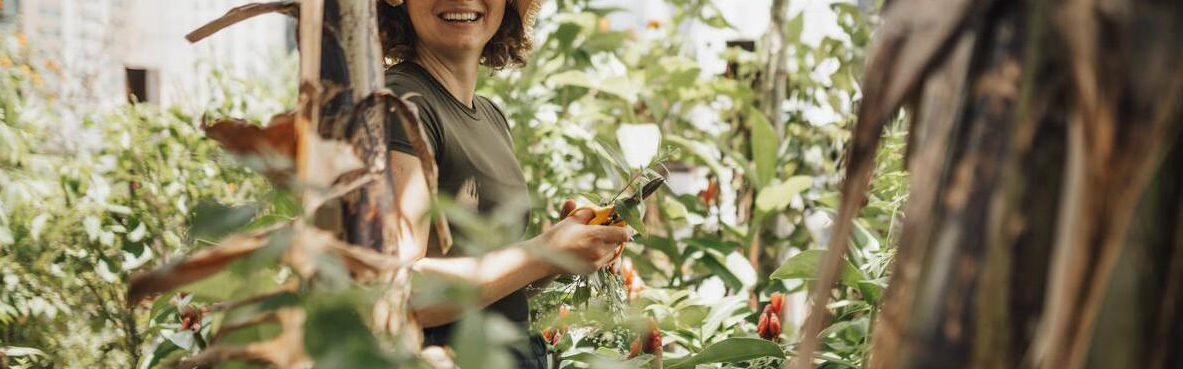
474,153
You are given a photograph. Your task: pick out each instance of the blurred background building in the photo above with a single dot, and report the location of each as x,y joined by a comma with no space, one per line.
110,51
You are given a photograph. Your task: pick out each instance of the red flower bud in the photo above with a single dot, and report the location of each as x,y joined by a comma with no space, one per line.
769,325
777,302
649,341
635,348
654,344
762,326
774,327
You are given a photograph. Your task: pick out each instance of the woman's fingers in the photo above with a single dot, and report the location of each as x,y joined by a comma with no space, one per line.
606,258
612,235
568,207
582,215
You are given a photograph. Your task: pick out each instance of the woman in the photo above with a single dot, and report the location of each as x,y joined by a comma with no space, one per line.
438,46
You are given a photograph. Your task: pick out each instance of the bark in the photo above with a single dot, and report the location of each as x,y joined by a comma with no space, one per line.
1042,228
774,87
353,63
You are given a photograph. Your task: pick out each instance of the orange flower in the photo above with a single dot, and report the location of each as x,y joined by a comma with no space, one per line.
654,23
550,335
632,282
710,194
52,66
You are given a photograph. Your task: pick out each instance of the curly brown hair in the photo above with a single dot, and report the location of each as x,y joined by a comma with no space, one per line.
507,48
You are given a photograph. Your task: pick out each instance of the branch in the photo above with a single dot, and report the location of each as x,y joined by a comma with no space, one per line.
242,13
197,267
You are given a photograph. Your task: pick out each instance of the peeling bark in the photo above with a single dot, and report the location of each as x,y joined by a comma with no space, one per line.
1042,225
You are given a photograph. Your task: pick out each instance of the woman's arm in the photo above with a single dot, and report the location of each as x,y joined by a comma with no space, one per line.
497,273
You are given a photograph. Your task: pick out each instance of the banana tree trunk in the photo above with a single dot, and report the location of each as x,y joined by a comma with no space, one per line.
355,109
1043,225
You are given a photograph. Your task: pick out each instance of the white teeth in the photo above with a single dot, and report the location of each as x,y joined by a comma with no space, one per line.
468,16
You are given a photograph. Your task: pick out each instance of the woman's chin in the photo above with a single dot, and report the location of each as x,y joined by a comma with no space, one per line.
458,46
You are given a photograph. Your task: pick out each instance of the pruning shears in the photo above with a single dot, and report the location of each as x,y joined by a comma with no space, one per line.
615,214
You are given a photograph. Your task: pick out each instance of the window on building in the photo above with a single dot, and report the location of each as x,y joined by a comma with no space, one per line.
141,85
7,10
746,45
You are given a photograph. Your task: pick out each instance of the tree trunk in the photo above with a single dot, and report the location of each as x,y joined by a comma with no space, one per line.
357,110
1042,229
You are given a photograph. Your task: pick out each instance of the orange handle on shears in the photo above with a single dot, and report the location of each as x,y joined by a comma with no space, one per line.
602,215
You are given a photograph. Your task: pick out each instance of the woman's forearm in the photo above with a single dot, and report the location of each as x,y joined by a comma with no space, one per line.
495,274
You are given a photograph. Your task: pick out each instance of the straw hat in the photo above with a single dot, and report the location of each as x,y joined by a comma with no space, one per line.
527,11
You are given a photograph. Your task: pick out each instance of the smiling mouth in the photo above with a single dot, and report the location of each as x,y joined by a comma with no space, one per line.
461,17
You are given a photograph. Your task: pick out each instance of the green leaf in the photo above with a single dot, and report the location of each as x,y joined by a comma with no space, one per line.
571,78
665,245
622,86
711,242
166,349
603,41
722,312
764,146
479,339
593,197
629,209
777,196
582,294
871,290
673,208
730,350
794,27
566,34
612,156
336,337
805,265
719,269
699,150
212,221
265,257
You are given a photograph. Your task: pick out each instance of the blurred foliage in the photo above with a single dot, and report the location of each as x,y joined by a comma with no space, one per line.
88,197
596,102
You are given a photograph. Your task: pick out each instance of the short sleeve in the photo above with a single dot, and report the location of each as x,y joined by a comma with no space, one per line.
397,139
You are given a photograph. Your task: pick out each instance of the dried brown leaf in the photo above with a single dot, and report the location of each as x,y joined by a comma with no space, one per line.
270,150
199,266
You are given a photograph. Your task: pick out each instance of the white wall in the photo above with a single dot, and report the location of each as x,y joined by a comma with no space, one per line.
94,40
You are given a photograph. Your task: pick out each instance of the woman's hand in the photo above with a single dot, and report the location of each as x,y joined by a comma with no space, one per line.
586,248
